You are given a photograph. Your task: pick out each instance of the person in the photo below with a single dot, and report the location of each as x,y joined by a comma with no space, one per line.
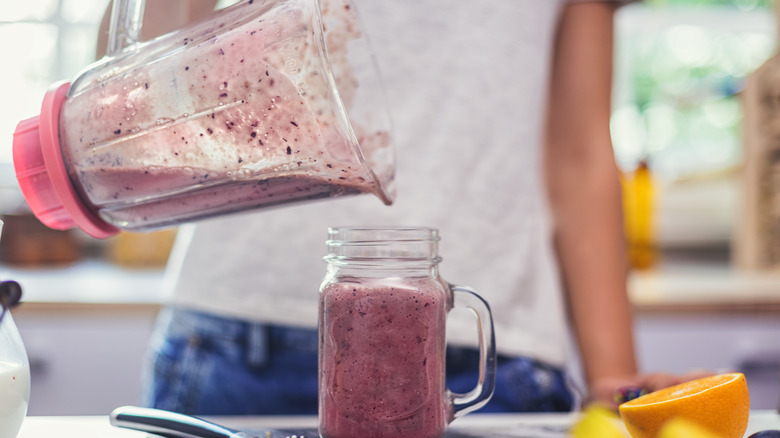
501,114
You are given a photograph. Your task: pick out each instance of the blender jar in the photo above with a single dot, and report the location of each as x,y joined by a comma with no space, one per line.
255,107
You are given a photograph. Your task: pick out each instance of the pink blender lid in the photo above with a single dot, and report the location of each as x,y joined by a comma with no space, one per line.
41,172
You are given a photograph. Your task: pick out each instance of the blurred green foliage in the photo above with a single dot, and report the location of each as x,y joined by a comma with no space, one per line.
741,4
680,67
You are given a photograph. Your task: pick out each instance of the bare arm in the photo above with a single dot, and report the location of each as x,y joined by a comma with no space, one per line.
584,189
585,197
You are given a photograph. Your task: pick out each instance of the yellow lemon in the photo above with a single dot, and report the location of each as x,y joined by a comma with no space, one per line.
598,422
720,404
682,428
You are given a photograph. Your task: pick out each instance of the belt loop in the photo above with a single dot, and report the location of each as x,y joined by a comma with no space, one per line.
257,345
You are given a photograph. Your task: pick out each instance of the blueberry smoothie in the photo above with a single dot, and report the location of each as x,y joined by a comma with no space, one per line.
382,360
233,111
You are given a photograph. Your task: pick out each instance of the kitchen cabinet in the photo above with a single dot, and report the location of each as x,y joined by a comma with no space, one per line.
683,341
85,328
85,359
694,315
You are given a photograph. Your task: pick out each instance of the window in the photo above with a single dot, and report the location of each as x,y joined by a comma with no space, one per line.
680,65
46,41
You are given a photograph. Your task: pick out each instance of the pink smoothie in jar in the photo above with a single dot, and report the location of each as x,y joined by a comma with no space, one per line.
382,360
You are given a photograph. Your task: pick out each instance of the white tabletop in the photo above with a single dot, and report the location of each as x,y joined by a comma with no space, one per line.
507,424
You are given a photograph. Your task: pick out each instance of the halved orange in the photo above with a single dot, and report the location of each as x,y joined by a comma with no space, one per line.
720,403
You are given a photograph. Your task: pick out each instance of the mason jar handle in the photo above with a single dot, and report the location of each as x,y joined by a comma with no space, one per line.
125,25
480,395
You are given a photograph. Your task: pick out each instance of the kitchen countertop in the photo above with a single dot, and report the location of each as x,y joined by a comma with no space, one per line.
87,282
675,285
689,285
473,425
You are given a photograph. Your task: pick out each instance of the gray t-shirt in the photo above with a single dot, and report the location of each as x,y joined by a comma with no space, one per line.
466,83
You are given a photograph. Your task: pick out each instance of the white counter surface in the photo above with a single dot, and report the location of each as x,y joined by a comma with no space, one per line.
508,425
675,286
88,282
705,286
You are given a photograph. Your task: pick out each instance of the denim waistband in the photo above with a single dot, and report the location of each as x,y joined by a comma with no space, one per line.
260,339
257,338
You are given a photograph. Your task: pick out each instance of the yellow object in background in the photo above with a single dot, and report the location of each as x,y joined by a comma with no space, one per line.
141,250
598,422
720,404
682,428
639,217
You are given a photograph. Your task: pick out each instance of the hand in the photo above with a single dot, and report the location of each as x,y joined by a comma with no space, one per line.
604,390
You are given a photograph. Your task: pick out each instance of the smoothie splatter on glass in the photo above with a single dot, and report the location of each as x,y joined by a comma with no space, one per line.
233,113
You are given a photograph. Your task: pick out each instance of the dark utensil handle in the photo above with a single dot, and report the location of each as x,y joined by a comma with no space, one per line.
166,423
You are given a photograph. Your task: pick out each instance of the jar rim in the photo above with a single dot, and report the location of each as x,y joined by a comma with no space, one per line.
392,247
372,235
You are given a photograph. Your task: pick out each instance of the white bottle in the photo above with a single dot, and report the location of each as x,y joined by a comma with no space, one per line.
14,379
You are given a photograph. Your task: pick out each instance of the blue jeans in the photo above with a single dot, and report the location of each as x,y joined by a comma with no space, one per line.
201,364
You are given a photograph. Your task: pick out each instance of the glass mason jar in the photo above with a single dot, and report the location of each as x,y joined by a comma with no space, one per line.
383,312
